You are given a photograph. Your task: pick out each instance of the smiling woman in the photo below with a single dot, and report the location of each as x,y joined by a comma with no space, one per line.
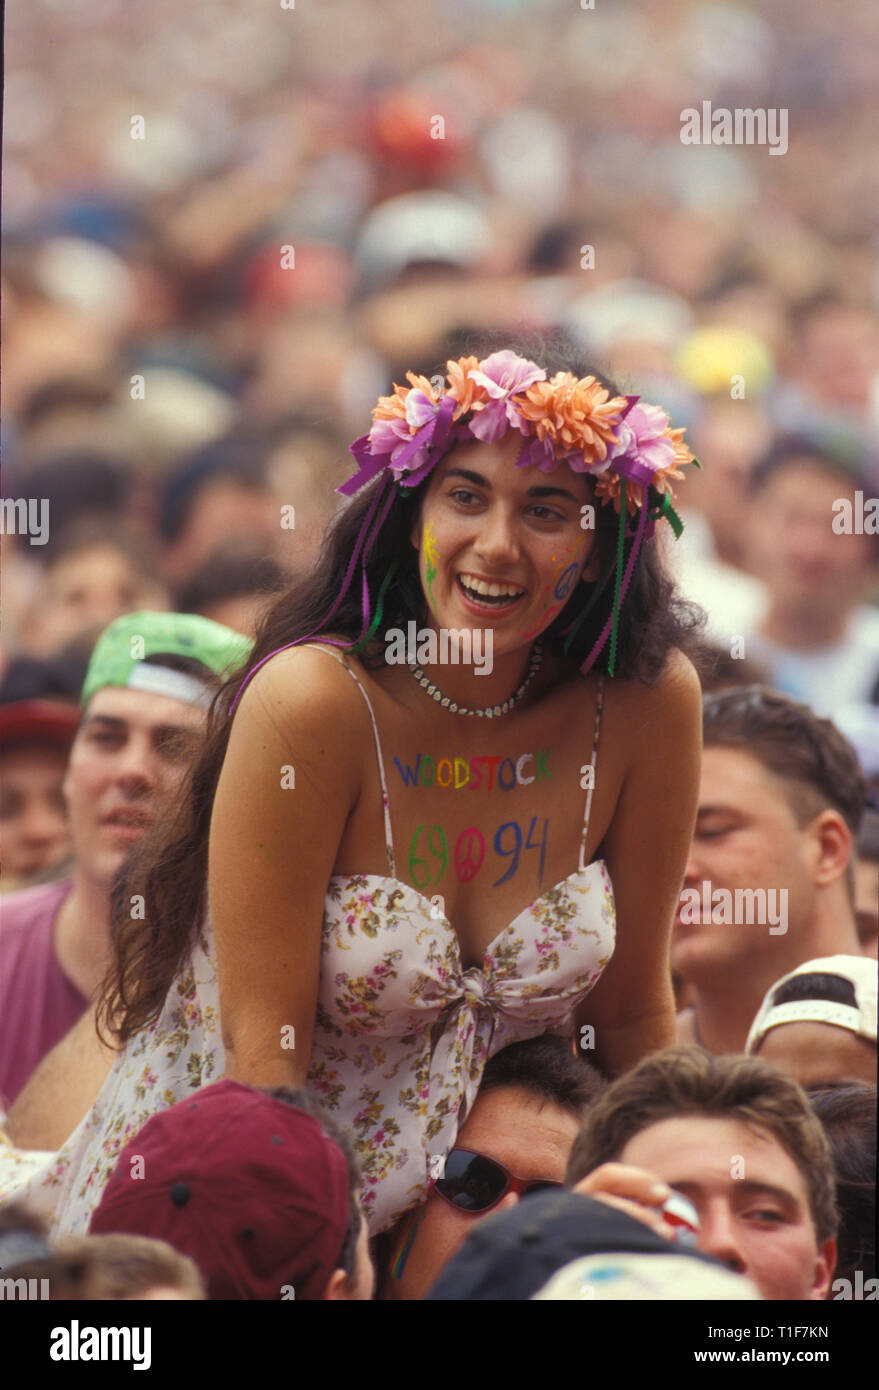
551,897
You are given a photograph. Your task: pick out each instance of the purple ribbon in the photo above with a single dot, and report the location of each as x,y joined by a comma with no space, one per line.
635,471
370,466
435,434
627,575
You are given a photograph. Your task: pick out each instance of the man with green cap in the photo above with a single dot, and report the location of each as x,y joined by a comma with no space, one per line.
149,682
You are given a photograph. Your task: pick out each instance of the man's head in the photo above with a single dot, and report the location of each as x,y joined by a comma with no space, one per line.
219,491
848,1114
35,740
251,1186
740,1140
814,565
837,350
92,574
90,1268
780,802
149,681
733,435
522,1124
818,1023
128,1268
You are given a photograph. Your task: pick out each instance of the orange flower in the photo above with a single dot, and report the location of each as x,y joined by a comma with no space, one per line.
682,457
682,453
607,488
391,407
394,407
421,383
467,393
661,483
573,414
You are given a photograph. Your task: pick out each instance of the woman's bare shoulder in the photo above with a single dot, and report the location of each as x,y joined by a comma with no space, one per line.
306,686
673,700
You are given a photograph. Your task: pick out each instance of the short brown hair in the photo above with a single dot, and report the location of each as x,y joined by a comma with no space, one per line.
117,1266
816,762
687,1080
791,741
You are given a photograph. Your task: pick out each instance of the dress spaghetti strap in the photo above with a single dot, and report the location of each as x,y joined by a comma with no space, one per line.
389,834
586,814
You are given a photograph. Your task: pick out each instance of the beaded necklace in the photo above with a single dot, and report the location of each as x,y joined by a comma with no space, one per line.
491,711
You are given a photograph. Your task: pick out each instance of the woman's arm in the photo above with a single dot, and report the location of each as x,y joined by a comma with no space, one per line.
289,781
646,847
62,1088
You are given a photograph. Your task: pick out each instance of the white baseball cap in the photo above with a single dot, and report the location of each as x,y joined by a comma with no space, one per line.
859,1018
628,1277
428,225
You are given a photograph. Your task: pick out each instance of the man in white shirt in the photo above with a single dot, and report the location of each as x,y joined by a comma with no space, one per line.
811,541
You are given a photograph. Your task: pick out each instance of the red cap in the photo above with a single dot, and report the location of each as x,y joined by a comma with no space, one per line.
251,1188
43,721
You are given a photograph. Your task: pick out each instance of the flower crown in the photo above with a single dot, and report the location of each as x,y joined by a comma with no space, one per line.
563,420
627,445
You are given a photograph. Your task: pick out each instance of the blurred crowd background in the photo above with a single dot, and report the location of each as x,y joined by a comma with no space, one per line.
228,228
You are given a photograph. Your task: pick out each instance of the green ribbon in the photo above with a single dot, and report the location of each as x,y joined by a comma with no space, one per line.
377,616
597,591
665,509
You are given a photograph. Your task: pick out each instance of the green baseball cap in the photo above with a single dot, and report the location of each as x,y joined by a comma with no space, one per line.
118,655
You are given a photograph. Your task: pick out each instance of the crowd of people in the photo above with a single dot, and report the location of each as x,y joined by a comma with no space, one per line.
247,945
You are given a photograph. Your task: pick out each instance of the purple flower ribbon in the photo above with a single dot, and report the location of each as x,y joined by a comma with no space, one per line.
633,469
434,435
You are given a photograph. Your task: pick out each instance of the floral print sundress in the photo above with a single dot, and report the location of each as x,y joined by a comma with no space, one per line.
401,1038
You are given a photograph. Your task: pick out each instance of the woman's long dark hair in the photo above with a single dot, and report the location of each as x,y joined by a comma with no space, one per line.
168,867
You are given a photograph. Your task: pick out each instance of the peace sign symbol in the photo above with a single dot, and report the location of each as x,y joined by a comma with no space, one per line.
469,853
566,582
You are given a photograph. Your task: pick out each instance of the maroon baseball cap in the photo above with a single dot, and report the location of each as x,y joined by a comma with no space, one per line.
251,1188
38,721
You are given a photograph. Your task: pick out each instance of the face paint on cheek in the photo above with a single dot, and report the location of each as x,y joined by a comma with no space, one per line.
566,582
543,621
560,588
431,556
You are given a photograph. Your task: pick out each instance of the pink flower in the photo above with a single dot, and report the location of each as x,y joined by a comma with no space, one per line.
538,453
394,434
386,436
420,409
642,438
502,375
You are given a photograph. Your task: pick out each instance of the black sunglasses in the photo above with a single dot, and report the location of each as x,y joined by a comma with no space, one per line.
474,1183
